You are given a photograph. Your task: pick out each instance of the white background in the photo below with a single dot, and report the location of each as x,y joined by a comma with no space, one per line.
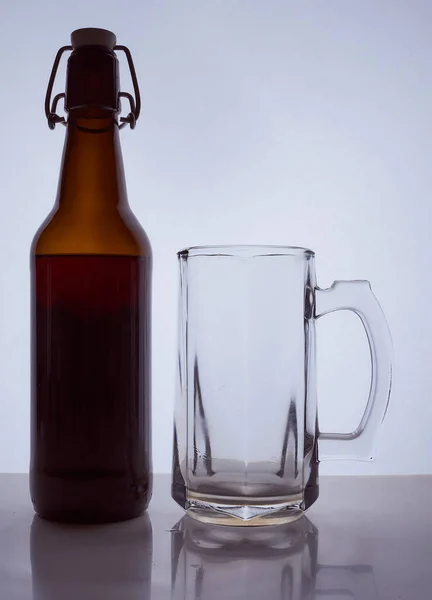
274,122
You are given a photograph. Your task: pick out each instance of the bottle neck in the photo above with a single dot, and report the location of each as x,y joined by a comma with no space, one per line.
92,176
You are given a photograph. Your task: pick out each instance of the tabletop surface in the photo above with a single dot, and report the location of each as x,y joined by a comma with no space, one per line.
366,538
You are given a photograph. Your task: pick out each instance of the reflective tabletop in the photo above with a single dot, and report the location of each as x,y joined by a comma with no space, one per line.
366,538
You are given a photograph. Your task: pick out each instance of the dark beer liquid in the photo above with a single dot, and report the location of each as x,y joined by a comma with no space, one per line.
91,387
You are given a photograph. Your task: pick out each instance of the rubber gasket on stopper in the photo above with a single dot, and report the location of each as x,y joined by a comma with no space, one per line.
92,36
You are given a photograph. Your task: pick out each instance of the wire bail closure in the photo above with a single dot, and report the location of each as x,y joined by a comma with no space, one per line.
135,103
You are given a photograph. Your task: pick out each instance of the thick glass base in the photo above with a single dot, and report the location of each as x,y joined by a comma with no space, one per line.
226,510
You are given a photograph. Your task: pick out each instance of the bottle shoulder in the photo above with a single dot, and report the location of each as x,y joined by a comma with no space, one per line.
116,232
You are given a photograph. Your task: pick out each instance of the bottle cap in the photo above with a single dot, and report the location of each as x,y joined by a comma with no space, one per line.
92,36
98,73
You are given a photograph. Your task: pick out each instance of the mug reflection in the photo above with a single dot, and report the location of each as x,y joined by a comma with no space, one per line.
353,582
91,562
210,562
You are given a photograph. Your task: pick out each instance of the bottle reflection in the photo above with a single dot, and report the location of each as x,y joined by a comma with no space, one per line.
210,562
91,563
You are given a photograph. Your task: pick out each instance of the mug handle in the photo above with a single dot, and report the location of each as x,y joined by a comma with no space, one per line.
358,297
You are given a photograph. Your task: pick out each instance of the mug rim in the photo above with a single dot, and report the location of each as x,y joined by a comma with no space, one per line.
245,251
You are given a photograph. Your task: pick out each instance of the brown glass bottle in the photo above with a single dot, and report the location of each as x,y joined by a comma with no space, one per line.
90,315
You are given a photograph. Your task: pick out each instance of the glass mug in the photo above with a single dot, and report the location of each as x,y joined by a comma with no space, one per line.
245,425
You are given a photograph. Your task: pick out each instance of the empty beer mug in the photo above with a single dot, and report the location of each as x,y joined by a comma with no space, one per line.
245,432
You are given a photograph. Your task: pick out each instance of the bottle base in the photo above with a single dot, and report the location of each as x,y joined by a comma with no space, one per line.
76,518
87,501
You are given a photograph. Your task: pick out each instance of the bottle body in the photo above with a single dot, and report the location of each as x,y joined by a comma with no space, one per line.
91,386
91,266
